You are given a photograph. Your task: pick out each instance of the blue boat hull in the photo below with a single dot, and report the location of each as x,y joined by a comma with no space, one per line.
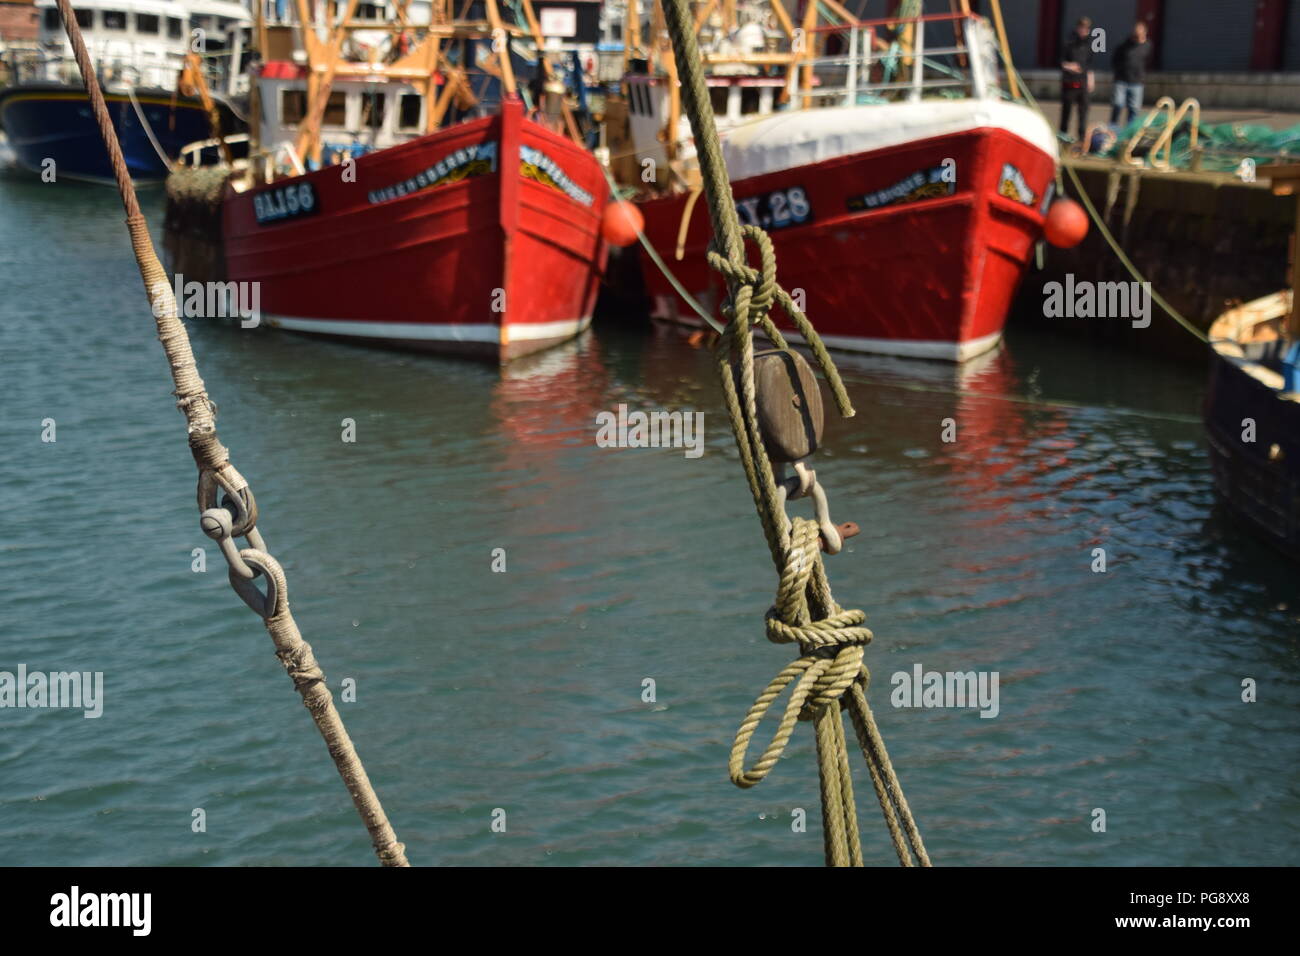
1259,479
52,122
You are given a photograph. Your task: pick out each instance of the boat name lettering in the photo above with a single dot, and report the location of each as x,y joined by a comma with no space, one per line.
1012,185
536,165
464,163
775,210
284,202
923,184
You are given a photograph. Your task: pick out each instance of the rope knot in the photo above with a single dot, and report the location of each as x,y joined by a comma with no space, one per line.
831,651
752,289
831,683
841,629
789,620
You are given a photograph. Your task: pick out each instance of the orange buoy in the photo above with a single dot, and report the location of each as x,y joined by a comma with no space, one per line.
621,223
1066,224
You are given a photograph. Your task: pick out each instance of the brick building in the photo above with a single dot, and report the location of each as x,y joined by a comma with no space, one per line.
18,21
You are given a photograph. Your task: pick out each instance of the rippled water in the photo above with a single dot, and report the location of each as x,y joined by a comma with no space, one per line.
522,691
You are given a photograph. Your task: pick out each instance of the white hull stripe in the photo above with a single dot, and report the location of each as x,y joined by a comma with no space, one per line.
431,331
904,348
911,348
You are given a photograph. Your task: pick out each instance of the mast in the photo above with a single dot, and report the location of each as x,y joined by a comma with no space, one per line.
499,35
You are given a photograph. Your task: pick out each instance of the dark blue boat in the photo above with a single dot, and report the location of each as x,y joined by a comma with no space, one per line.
50,121
1252,418
139,48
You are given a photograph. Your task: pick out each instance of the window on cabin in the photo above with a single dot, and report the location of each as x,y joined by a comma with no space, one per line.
293,106
408,106
146,23
370,11
718,96
336,109
175,29
52,18
85,18
114,19
749,100
372,109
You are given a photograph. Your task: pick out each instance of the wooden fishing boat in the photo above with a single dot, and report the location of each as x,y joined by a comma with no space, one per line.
1252,405
902,193
421,203
1252,417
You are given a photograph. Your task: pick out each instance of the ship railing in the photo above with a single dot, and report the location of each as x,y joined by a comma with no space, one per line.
967,66
1173,115
191,154
118,69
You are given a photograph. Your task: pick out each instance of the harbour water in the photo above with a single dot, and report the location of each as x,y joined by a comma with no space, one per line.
480,691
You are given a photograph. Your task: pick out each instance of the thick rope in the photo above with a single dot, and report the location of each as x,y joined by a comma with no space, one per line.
213,461
829,676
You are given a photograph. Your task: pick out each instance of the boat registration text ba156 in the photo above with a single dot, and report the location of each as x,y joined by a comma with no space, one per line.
285,202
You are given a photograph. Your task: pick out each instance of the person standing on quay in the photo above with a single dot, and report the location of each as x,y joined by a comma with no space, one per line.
1130,65
1076,77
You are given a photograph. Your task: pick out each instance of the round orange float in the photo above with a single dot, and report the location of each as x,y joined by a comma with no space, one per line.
1066,224
621,223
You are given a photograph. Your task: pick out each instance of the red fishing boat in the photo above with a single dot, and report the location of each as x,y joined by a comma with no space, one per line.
481,236
903,194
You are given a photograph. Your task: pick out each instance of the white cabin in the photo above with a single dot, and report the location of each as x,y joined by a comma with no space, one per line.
737,99
143,43
361,111
132,42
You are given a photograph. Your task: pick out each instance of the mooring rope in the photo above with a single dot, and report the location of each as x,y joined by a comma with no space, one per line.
663,267
236,514
148,130
829,676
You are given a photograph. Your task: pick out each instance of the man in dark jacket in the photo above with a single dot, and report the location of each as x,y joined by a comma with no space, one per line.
1076,75
1130,65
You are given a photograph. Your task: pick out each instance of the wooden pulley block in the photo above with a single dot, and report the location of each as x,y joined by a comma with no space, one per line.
789,402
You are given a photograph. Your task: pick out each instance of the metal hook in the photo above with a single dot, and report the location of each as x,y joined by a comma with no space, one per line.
803,484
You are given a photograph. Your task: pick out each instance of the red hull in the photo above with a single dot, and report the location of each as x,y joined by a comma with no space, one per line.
483,239
928,271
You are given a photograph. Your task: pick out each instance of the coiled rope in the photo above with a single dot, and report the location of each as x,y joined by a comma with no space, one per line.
217,474
829,676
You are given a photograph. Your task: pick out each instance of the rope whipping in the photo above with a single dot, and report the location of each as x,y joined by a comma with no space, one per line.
236,515
829,676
